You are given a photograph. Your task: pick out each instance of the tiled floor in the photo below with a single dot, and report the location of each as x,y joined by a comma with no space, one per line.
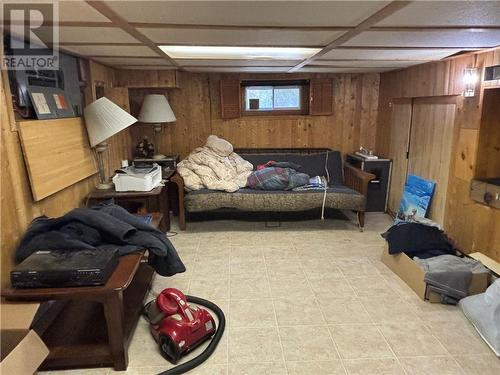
311,297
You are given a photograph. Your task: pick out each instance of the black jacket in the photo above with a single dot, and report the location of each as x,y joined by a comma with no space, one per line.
92,228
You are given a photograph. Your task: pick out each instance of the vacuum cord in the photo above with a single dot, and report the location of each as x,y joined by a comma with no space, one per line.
198,360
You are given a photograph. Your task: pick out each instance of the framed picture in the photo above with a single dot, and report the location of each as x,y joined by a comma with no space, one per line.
62,105
50,102
42,103
417,196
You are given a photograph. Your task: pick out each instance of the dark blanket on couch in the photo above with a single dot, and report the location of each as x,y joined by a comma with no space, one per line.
96,228
277,176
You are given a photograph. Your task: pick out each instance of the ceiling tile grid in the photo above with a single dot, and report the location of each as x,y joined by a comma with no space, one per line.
418,32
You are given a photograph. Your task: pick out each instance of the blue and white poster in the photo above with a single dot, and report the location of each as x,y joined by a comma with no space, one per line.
416,198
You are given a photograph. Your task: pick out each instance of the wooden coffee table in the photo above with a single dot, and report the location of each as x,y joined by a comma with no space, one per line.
94,325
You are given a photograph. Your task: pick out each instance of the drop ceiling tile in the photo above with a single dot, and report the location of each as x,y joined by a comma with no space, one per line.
441,38
131,61
446,13
79,11
247,69
366,63
388,54
200,63
95,34
308,69
241,37
92,34
260,13
145,67
111,50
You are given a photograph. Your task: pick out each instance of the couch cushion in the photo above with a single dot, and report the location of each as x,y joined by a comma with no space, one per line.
339,197
311,164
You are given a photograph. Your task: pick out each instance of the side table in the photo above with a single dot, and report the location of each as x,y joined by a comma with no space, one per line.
96,323
153,200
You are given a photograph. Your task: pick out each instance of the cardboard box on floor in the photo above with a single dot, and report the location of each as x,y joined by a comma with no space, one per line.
22,350
413,275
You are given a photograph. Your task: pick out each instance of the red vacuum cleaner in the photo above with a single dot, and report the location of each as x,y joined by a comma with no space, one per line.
179,326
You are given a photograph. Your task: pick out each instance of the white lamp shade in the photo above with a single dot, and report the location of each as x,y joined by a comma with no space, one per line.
104,119
155,109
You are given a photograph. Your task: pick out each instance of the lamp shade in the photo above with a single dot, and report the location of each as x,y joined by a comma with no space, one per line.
104,119
155,109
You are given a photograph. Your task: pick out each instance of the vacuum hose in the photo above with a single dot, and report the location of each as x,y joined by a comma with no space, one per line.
198,360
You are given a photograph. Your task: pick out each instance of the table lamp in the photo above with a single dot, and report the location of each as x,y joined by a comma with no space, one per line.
103,119
156,110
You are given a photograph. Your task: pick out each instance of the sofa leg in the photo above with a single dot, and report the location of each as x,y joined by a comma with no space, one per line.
361,220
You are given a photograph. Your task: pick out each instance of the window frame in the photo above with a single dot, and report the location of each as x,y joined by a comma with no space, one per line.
304,98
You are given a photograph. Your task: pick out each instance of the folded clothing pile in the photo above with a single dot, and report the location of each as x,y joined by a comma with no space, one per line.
483,311
446,273
417,239
277,176
449,275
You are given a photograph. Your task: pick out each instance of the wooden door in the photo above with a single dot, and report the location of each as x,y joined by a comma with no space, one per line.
431,139
398,151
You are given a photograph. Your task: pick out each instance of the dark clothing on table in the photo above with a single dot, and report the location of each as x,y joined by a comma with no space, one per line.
105,224
415,239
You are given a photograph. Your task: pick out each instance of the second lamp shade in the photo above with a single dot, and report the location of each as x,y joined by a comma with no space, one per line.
155,109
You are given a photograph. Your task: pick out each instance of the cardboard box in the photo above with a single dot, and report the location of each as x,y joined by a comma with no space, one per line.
413,275
22,350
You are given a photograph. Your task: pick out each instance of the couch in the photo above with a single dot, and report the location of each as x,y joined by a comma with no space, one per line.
346,191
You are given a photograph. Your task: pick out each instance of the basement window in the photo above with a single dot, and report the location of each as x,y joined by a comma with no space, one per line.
275,97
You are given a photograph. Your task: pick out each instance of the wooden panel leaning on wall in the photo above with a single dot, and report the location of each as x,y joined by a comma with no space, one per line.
17,206
475,227
57,154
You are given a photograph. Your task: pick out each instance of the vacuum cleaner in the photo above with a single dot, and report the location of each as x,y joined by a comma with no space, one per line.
179,326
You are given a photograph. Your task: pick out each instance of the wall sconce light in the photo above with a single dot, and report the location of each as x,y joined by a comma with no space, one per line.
471,77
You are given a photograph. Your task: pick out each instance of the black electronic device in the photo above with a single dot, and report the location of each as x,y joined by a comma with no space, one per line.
378,188
56,268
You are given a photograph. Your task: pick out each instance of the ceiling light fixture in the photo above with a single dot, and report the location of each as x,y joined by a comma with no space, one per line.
244,53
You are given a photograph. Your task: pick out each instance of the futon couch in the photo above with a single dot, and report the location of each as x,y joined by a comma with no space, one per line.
346,191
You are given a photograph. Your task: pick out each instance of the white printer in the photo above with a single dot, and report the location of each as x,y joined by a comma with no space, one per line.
137,179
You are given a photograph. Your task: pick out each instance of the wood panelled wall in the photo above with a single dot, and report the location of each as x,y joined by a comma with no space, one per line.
196,105
17,206
475,227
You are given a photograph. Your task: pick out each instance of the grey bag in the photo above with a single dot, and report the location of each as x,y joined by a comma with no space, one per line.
483,311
